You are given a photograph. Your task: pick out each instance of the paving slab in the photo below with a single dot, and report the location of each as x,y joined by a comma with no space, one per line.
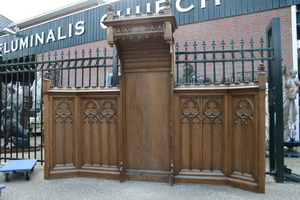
93,188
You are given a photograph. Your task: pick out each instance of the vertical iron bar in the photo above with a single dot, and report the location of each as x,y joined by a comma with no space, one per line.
28,116
232,57
204,58
82,68
97,68
23,76
41,102
195,58
90,67
5,112
61,68
252,56
12,109
243,62
278,99
223,57
35,110
69,65
177,65
55,71
42,110
104,63
186,64
272,128
262,46
75,65
18,114
214,58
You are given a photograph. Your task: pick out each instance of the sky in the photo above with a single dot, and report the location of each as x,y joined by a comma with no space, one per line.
20,10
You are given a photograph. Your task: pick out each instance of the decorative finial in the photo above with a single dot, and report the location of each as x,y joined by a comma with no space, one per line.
167,3
261,67
110,8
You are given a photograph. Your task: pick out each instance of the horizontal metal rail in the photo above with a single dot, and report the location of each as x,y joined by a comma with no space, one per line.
222,60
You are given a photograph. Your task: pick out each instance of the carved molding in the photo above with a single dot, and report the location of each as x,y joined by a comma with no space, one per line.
244,110
63,111
142,28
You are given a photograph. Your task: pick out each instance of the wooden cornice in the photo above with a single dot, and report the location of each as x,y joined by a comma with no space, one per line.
140,26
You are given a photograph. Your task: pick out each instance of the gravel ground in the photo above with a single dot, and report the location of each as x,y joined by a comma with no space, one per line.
92,188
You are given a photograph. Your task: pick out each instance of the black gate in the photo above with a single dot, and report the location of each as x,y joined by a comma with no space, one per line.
275,102
22,97
276,132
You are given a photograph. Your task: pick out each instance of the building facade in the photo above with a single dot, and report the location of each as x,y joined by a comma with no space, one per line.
203,23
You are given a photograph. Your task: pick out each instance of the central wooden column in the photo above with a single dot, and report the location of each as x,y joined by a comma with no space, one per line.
145,44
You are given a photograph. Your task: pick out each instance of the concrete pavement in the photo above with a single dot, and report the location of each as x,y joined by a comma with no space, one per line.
92,188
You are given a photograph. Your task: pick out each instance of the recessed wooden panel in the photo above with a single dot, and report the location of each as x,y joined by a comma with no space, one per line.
99,132
63,137
82,139
244,136
216,138
201,134
148,98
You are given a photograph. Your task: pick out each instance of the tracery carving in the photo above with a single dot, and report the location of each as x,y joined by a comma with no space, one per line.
244,110
108,111
91,111
154,27
96,111
123,29
212,111
190,111
63,111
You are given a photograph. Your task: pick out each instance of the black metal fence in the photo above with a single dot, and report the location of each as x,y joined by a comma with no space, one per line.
22,98
223,63
22,78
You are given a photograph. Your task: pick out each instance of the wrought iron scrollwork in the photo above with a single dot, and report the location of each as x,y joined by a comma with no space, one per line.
244,110
190,111
64,112
212,111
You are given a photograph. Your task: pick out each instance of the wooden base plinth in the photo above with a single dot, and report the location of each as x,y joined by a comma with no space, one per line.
149,175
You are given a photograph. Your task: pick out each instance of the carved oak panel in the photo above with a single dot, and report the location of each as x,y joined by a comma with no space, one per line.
63,136
201,123
99,132
244,136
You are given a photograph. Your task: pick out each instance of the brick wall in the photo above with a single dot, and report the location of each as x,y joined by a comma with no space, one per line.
246,26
